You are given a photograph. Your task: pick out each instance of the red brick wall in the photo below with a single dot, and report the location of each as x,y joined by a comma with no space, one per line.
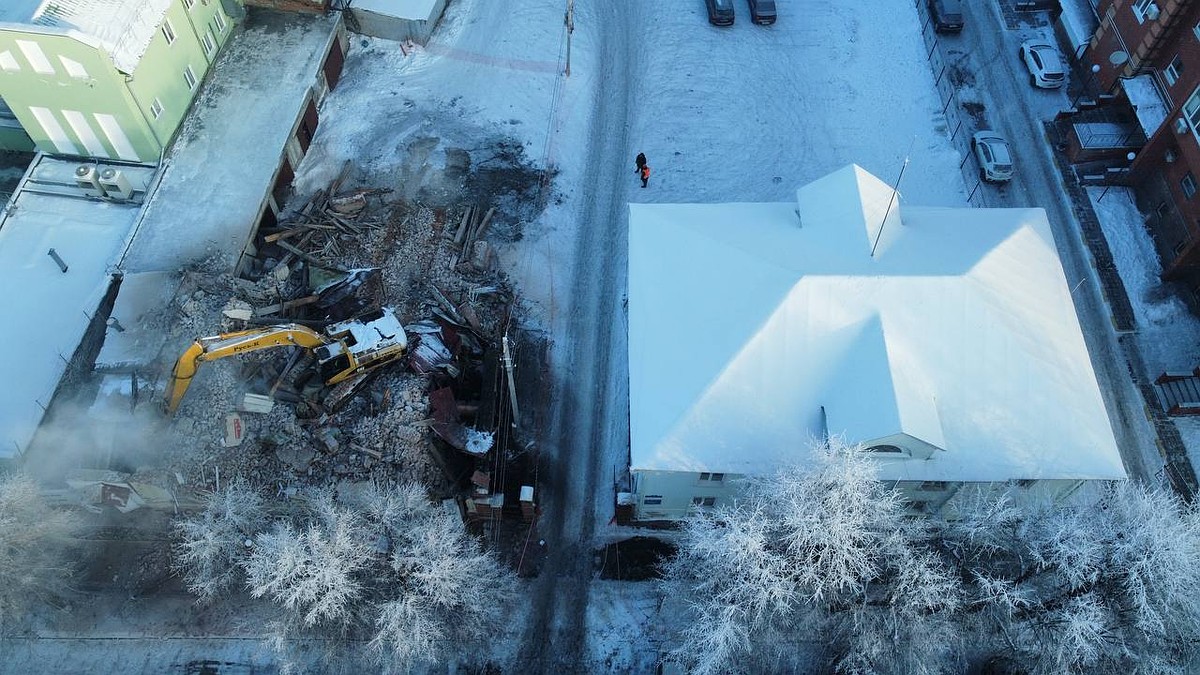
1152,46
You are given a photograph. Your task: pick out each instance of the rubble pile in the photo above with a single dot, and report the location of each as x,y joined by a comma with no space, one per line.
331,260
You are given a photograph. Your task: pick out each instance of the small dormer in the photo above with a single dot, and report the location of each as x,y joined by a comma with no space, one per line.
901,446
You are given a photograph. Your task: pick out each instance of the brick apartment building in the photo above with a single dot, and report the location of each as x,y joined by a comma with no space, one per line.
1148,53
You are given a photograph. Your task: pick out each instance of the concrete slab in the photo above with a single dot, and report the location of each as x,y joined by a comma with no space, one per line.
136,329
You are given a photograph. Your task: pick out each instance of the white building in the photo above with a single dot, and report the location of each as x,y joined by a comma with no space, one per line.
948,342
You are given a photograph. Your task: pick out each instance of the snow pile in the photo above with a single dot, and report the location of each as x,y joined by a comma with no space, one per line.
1147,102
1168,334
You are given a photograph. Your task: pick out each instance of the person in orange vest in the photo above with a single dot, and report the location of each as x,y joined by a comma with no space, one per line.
645,174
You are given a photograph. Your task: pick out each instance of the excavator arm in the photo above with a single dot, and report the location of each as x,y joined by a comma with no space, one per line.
229,344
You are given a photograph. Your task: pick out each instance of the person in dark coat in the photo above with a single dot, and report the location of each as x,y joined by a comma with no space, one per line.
640,161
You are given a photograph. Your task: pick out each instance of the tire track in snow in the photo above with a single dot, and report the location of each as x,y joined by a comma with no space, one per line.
581,422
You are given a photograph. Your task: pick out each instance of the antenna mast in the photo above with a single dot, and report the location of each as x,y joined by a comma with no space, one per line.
895,191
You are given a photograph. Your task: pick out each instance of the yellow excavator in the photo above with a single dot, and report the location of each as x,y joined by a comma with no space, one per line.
345,351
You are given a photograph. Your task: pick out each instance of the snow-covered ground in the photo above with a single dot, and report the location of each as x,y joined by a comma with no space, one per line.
1168,335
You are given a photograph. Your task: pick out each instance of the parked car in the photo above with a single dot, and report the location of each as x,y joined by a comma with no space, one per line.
762,12
946,15
1045,67
995,160
720,12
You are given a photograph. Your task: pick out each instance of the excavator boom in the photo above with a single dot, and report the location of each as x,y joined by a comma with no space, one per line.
344,351
229,344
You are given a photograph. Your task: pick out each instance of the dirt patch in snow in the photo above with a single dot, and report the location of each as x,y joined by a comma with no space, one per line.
634,559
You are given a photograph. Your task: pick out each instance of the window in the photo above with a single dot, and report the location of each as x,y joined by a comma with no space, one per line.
168,31
9,62
36,57
1196,31
189,76
1022,482
712,477
651,500
219,21
1145,9
887,449
188,4
210,45
1188,183
156,109
1191,109
932,486
1171,74
74,68
704,501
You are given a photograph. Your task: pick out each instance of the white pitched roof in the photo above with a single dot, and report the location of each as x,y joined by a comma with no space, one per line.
123,28
753,326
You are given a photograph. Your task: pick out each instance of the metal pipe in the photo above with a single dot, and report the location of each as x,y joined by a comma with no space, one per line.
61,265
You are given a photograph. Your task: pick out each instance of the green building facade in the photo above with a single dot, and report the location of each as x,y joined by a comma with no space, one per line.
109,79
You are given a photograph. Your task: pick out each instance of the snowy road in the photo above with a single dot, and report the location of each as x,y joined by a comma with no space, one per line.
587,415
1017,111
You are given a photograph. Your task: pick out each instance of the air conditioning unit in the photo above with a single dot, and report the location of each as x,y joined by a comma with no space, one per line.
1152,12
87,179
1181,126
116,184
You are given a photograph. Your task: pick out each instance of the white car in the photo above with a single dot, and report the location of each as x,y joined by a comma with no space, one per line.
1045,66
995,161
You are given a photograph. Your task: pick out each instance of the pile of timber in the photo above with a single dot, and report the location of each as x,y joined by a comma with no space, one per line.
317,232
474,253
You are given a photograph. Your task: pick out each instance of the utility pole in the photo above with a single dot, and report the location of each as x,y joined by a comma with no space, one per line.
570,21
512,386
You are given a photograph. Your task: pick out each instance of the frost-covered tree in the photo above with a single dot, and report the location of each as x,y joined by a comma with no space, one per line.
316,569
1104,583
820,550
35,544
210,545
443,586
398,571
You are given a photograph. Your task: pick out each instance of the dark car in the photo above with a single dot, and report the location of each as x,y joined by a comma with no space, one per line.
762,12
720,12
947,15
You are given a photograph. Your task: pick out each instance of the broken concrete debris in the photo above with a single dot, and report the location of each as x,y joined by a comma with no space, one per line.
266,415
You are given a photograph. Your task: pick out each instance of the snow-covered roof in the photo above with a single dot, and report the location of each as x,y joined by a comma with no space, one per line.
402,9
214,183
19,11
754,328
46,310
1079,21
124,28
1147,102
